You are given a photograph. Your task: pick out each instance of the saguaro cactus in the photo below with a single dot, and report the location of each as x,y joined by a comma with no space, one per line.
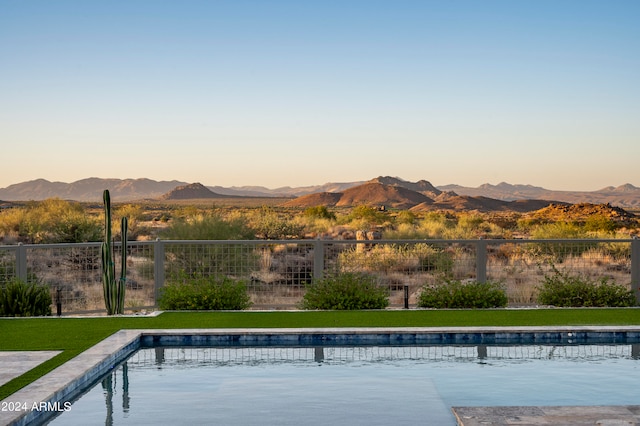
113,288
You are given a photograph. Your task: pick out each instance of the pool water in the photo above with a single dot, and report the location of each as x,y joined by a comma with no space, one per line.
351,385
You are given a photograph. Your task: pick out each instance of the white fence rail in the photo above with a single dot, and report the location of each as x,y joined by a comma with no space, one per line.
277,272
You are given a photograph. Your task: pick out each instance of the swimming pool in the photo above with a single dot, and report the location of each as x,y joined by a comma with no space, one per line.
73,378
352,385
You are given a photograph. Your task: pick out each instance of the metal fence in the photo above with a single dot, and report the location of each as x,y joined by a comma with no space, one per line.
277,272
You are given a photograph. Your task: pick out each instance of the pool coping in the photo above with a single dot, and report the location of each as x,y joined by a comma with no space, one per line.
49,395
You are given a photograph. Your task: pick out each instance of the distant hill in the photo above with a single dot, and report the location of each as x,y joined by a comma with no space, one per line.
88,189
285,191
370,193
626,196
191,191
582,211
317,199
395,194
422,186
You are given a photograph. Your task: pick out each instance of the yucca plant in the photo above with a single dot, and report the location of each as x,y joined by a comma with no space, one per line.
21,299
114,288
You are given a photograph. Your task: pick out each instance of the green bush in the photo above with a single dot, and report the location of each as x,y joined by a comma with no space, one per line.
205,293
21,299
455,294
365,217
346,291
319,212
564,289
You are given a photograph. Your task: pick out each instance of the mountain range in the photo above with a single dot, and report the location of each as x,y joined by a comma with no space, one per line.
382,190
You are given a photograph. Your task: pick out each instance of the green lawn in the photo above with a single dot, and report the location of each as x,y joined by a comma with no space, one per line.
74,335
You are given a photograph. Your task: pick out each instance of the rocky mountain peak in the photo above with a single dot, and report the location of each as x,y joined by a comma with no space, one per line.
190,191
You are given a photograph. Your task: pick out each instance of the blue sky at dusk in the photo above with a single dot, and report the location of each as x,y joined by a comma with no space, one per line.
295,93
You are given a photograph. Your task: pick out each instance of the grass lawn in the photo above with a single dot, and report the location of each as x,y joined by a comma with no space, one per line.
74,335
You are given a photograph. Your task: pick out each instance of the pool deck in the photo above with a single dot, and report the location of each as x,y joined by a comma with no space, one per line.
16,363
60,384
578,415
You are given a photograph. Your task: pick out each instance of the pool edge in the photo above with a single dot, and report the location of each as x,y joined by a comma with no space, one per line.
71,379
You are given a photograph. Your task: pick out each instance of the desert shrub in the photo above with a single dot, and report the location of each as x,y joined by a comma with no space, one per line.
379,258
406,217
314,225
558,230
22,299
50,221
406,231
434,259
315,220
207,227
204,293
470,220
555,252
385,258
403,231
617,251
319,212
564,289
365,217
456,294
346,291
268,224
469,226
199,259
436,225
135,215
599,223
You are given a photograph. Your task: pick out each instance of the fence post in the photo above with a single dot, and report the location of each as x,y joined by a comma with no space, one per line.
158,269
635,267
21,262
481,261
318,259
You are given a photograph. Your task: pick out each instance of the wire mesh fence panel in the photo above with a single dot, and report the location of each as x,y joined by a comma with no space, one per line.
281,274
74,276
402,263
277,273
140,280
8,266
523,265
72,272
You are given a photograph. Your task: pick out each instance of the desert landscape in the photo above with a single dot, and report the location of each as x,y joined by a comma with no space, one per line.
128,190
392,207
405,233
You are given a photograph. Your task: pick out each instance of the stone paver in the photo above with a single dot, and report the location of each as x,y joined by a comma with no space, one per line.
573,415
16,363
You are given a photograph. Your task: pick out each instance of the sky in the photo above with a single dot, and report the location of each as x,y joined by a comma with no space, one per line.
293,93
